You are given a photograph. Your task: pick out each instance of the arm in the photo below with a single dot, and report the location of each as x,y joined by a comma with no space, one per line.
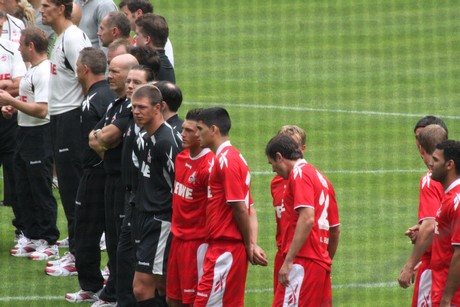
11,86
36,109
302,231
453,278
424,239
260,257
241,217
109,136
334,235
95,145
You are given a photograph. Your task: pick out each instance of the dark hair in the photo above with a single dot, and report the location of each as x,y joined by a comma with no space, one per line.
120,21
37,36
155,27
149,76
172,94
68,7
431,136
430,120
451,152
193,114
134,5
216,116
147,56
151,92
95,59
285,145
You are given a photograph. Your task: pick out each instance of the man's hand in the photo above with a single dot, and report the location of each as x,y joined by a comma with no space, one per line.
5,97
8,111
412,233
259,256
283,275
407,277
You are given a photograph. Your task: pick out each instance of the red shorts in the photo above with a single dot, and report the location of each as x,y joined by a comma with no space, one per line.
185,267
279,259
224,276
310,285
422,286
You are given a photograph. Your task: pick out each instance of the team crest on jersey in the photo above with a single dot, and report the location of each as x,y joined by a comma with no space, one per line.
192,178
3,58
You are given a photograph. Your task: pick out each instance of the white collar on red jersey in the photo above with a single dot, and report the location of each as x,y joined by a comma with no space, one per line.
452,185
300,161
222,146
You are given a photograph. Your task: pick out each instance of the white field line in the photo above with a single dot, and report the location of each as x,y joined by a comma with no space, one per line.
378,171
252,106
267,290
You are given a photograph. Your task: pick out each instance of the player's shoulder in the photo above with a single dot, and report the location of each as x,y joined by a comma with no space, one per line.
18,23
7,46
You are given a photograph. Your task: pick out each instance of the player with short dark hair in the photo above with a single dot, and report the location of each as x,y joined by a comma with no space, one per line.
172,100
113,26
152,30
189,215
305,274
152,217
445,259
230,225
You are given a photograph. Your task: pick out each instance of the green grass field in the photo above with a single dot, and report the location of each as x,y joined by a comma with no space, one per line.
356,75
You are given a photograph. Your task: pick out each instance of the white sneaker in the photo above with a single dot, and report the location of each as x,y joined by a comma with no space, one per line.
65,269
81,296
63,243
68,257
44,251
102,244
100,303
24,247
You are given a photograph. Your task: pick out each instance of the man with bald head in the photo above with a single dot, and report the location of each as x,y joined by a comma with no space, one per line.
107,139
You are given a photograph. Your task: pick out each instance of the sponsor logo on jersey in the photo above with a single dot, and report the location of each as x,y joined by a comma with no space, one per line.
4,76
183,191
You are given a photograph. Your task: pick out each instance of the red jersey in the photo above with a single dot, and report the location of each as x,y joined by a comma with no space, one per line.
190,195
431,193
446,234
277,188
229,182
307,187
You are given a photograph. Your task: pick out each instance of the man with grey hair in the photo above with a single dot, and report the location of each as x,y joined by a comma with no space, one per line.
90,211
114,25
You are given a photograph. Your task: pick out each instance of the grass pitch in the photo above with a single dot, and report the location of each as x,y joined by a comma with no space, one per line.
356,75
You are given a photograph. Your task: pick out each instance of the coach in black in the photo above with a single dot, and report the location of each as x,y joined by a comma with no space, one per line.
89,214
108,136
152,217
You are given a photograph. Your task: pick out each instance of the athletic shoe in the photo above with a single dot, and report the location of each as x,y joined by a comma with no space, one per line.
101,303
81,296
67,258
102,244
63,243
65,269
45,251
24,248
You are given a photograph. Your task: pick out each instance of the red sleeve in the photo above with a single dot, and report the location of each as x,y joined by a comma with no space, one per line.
431,193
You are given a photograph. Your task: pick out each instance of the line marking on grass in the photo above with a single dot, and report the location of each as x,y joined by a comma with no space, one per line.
253,106
377,171
266,290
